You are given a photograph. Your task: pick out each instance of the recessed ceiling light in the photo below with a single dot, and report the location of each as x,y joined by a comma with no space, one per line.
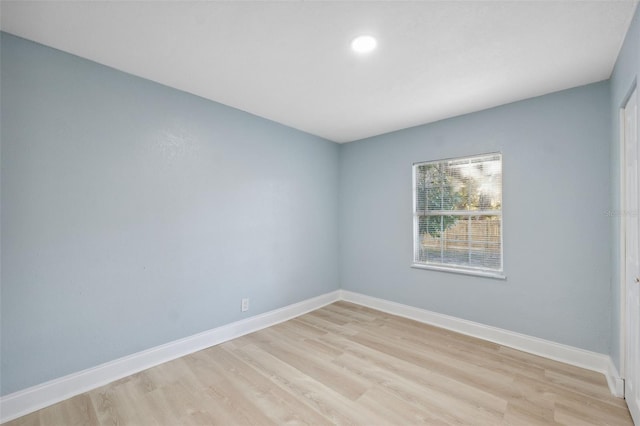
364,44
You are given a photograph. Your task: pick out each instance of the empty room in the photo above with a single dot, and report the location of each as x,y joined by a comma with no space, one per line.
319,212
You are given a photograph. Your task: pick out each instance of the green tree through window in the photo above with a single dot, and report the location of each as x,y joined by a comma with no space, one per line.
435,193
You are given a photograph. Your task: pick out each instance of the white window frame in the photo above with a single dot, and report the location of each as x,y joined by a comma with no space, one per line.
460,269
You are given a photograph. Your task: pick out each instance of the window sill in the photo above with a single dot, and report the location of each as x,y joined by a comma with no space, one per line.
484,274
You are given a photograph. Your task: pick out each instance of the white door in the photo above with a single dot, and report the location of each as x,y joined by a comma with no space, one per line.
632,259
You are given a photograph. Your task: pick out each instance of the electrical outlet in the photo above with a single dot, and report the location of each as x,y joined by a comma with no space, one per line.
245,304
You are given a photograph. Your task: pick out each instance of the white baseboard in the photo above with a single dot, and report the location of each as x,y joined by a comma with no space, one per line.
36,397
615,382
568,354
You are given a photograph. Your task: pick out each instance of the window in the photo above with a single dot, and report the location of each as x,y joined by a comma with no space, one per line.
457,215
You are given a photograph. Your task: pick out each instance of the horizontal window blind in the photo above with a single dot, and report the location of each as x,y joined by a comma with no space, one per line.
458,213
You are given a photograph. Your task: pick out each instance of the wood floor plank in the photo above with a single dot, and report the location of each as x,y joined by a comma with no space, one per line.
429,399
332,405
385,404
346,364
314,365
365,361
280,406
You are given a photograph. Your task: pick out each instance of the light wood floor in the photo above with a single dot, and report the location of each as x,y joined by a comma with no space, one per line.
345,364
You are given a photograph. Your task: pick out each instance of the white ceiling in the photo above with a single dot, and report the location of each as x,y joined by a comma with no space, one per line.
291,62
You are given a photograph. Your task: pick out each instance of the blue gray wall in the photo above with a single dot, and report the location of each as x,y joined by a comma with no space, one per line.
624,77
134,214
555,199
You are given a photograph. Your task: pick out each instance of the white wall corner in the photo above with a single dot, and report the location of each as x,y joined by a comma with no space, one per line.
615,382
568,354
45,394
